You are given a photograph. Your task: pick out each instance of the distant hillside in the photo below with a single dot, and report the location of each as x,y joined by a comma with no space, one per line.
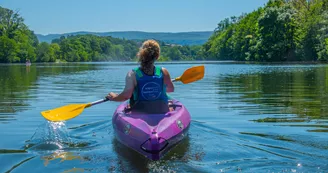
182,38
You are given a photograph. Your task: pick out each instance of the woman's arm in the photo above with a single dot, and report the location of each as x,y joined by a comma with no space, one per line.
130,83
167,81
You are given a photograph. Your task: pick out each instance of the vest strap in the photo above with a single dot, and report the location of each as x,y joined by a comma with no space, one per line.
138,72
157,71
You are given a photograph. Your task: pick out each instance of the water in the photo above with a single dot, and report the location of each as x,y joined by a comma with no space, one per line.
246,118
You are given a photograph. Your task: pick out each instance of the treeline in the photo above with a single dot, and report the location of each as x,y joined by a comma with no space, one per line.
18,44
171,52
85,48
283,30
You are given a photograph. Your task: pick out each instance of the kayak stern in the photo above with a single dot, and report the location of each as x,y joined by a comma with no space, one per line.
151,135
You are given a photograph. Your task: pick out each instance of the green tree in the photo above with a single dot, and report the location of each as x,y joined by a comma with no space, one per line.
277,27
10,23
8,50
43,52
56,51
16,37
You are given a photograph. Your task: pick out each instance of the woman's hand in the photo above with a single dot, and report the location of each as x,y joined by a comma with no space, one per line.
111,96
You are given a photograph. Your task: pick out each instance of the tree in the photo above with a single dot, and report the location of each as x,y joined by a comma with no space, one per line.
43,52
8,50
56,51
10,22
277,27
16,36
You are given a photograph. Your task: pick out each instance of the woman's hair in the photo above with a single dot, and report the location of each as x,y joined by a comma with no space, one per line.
148,53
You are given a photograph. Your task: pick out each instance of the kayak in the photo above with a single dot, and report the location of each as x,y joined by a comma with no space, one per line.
151,135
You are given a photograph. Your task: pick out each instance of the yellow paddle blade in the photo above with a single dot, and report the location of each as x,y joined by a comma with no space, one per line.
192,74
65,112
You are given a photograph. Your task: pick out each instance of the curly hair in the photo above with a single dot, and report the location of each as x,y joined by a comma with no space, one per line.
148,53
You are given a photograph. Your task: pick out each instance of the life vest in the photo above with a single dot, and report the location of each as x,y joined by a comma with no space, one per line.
149,87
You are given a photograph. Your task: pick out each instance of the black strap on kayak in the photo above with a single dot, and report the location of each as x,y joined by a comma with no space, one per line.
174,106
154,151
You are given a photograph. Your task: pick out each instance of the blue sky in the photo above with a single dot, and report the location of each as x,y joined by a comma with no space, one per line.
62,16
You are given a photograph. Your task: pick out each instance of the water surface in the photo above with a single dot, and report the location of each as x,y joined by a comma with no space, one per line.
246,118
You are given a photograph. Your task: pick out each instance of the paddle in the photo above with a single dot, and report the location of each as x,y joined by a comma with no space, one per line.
70,111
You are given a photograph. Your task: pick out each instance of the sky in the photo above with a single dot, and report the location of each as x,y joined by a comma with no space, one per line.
63,16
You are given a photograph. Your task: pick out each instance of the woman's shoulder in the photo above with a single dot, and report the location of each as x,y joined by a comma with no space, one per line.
130,76
131,73
164,70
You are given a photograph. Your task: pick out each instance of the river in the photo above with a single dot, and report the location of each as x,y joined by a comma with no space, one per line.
245,118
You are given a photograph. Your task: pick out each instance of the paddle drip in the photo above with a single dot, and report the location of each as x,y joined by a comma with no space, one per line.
50,136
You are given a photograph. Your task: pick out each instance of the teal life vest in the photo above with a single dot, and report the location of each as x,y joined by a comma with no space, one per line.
149,87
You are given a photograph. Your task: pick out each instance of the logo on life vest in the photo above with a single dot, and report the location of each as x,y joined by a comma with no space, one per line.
151,91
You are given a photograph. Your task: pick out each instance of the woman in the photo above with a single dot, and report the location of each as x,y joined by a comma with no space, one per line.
147,85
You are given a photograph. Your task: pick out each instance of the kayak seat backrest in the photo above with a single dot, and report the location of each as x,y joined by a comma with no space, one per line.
151,107
150,120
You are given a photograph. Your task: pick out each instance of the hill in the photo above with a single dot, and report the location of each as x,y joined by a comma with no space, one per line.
181,38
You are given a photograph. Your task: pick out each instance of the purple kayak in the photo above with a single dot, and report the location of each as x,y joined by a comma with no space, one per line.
151,135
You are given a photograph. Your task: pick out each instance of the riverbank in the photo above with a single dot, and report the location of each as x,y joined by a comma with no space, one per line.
182,62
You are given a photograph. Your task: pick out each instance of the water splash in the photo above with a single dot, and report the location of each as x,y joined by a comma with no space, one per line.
49,136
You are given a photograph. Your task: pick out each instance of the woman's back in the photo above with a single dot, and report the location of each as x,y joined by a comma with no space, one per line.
147,85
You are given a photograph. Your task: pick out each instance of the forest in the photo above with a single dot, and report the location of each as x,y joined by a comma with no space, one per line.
283,30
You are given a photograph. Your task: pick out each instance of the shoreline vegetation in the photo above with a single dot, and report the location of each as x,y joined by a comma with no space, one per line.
281,31
185,62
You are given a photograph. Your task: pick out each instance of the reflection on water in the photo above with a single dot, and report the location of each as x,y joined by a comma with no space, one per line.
74,170
284,94
245,117
62,156
19,83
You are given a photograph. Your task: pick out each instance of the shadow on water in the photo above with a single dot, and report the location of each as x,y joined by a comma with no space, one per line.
130,160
